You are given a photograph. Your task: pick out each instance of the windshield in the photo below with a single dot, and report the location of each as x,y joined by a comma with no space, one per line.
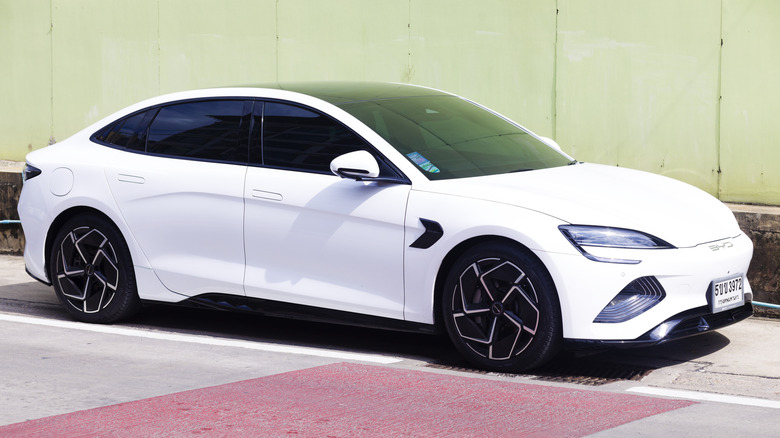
449,137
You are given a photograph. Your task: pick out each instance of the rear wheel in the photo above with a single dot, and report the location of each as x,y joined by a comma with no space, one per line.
501,309
92,271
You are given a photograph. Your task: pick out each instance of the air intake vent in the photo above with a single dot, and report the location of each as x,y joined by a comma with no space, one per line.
640,295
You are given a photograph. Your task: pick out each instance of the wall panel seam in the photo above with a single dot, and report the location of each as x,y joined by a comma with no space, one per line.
718,113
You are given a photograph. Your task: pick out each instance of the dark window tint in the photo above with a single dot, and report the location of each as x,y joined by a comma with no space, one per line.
297,138
449,137
206,130
129,132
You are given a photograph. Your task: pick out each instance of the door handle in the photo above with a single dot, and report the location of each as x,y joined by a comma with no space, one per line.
262,194
134,179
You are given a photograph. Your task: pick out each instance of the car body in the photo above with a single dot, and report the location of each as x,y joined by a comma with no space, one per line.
377,204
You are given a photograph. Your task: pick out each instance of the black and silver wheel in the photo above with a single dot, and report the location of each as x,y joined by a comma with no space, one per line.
501,309
92,271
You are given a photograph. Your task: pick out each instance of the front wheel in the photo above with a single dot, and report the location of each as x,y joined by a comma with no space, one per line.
92,271
501,309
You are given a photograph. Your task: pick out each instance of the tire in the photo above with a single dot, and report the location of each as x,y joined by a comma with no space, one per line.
92,271
501,309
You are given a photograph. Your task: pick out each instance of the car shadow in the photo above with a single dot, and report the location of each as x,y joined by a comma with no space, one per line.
672,352
592,367
599,366
250,327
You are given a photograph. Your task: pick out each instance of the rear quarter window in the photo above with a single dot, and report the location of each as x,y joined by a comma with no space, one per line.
127,133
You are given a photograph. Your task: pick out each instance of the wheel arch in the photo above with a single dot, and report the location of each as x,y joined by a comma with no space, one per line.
64,217
457,251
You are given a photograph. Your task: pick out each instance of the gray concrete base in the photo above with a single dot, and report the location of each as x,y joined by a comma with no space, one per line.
762,225
11,236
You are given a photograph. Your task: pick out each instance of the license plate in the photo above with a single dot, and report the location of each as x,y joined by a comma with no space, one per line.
727,294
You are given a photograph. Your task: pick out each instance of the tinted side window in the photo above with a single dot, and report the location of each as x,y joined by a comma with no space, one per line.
300,139
205,129
129,132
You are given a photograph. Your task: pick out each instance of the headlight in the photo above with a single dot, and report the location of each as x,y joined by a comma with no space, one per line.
583,236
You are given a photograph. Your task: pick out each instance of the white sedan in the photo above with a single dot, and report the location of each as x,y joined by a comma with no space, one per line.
382,205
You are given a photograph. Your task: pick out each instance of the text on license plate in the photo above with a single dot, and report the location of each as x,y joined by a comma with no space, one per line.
727,294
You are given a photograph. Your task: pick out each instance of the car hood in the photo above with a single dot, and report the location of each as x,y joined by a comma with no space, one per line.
592,194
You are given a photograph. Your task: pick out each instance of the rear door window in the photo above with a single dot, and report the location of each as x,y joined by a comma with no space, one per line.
208,130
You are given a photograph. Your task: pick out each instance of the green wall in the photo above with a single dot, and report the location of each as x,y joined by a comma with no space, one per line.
750,109
684,88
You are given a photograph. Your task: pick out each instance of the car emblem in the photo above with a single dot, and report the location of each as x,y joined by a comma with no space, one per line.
497,308
718,247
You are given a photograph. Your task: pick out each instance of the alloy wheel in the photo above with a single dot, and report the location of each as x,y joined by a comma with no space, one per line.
87,270
495,309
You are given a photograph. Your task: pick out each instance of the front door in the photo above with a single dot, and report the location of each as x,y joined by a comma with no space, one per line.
313,238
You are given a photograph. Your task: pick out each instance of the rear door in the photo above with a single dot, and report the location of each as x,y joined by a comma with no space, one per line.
182,193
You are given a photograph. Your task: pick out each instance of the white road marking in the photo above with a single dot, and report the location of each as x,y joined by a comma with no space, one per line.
200,339
706,396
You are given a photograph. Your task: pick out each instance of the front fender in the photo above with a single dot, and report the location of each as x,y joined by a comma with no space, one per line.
462,220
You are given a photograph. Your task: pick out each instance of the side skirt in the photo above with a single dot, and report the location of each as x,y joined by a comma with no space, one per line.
262,307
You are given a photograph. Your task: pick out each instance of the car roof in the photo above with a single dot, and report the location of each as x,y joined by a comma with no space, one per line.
346,92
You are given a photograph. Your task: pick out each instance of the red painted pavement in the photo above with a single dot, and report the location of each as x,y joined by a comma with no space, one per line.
348,400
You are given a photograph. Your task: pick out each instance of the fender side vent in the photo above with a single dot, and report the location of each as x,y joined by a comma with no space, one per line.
432,234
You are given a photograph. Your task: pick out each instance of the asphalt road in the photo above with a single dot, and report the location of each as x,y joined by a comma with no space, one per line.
173,371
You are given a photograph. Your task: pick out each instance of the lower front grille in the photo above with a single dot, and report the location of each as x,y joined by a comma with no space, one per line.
635,299
698,322
685,324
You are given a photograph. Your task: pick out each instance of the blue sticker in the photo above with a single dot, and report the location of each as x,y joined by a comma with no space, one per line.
423,162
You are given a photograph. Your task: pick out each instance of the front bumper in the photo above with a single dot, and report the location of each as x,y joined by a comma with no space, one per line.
586,287
685,324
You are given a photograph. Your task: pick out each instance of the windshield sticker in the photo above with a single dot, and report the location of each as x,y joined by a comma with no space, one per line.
423,162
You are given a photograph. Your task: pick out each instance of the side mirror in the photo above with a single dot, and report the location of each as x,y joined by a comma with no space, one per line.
355,165
552,143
